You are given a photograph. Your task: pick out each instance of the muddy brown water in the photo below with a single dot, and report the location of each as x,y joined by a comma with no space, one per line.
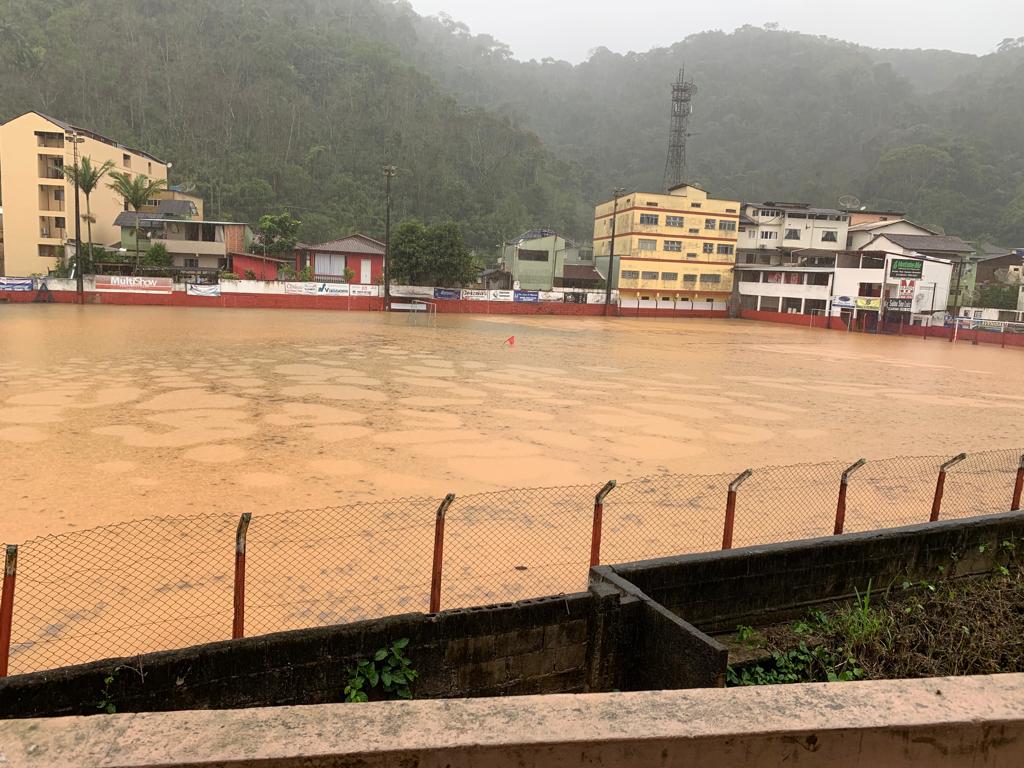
113,414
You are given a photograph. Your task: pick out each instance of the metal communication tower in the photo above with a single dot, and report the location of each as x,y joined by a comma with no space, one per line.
683,91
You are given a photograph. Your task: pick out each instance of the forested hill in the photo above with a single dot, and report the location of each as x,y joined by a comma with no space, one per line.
267,104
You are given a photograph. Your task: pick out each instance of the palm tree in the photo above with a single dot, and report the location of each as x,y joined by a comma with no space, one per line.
88,177
136,191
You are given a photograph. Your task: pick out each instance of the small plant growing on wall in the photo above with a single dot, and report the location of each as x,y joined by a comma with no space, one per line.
390,671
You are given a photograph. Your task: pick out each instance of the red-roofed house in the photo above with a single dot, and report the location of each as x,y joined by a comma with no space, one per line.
359,253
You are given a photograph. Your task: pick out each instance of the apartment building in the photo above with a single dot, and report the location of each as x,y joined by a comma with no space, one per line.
768,227
38,202
670,247
191,241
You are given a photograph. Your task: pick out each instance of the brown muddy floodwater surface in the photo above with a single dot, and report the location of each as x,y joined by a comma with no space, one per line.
109,414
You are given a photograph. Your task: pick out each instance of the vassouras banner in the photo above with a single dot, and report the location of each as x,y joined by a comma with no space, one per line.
133,284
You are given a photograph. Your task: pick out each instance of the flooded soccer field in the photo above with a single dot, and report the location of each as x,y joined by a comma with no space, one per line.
110,414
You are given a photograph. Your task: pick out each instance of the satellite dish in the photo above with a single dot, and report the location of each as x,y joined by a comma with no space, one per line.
849,202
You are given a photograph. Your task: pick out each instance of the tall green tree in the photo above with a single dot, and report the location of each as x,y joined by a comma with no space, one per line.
277,234
137,191
88,177
435,255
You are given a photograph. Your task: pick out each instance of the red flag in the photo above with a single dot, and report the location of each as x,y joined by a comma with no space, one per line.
511,341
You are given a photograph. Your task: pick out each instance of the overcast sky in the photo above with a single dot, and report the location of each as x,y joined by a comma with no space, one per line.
569,29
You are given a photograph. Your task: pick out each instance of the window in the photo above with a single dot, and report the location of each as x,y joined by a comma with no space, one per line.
694,231
152,202
676,246
769,234
222,263
191,263
126,161
673,221
669,277
533,255
829,236
724,250
730,210
58,194
648,245
709,223
649,218
695,205
792,234
689,278
727,226
691,255
149,168
709,247
711,278
650,275
629,274
651,205
769,213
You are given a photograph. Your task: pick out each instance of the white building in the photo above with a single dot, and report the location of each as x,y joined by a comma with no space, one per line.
857,286
860,235
767,227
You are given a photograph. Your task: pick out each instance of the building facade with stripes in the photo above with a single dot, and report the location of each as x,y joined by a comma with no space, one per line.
679,246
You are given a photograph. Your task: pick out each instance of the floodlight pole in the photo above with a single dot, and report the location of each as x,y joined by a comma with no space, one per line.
390,172
75,140
616,194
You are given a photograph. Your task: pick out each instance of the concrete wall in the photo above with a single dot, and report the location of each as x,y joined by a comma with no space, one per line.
944,723
719,590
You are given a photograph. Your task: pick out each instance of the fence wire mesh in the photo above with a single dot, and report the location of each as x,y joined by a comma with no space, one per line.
165,583
512,545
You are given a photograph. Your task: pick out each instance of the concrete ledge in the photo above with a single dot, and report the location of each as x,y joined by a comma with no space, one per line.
937,723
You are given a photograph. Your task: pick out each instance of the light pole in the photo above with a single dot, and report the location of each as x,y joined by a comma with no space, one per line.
390,172
75,140
616,193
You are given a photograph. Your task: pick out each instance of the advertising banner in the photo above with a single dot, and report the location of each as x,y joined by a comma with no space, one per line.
332,289
843,302
550,296
527,297
597,298
502,296
906,289
574,298
133,284
413,291
924,298
363,290
300,289
202,290
16,284
448,294
873,304
899,305
473,295
911,268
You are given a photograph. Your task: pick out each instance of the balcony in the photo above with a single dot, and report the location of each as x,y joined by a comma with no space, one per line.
50,166
194,247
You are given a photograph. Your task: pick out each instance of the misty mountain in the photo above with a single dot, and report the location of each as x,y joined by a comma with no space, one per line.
266,104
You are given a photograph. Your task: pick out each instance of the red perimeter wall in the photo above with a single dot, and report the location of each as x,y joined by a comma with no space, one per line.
353,303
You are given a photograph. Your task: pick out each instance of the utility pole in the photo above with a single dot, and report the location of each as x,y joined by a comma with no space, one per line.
390,172
616,193
75,140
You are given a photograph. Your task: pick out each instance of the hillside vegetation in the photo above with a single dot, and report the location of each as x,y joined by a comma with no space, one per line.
268,104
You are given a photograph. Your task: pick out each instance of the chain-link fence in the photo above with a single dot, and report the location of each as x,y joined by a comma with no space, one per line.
174,582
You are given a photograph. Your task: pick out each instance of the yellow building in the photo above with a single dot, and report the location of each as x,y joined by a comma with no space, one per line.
669,247
38,203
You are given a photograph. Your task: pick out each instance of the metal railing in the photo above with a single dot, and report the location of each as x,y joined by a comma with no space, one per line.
173,582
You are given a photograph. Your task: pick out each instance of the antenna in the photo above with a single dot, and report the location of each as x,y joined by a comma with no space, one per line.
849,202
683,91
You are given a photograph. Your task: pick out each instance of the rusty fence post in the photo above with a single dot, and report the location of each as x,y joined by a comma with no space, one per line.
238,624
1018,487
730,508
595,531
7,606
940,485
841,504
435,578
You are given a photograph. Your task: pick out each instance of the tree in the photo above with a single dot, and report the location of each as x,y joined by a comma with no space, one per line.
277,234
136,191
996,296
157,256
435,255
88,177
